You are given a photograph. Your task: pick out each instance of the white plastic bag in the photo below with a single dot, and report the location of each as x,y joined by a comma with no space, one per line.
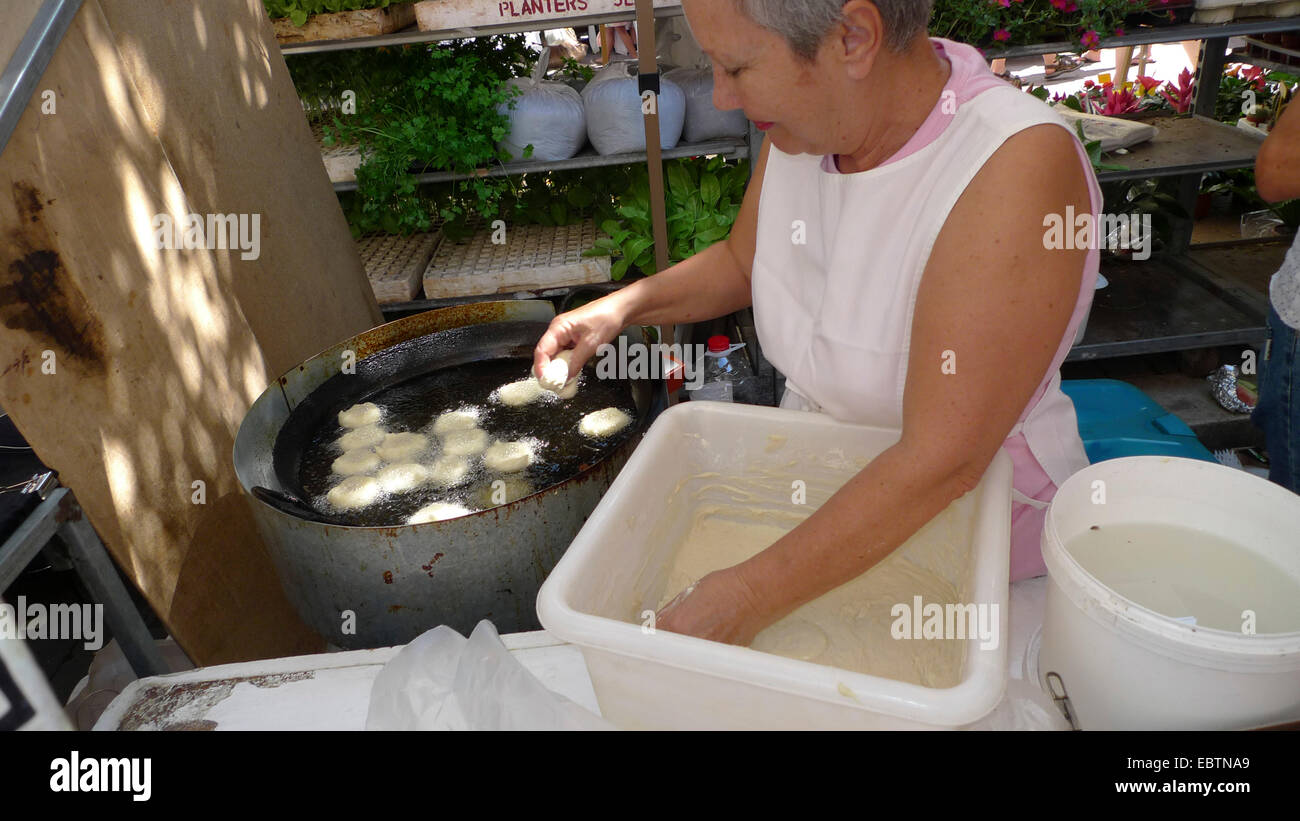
549,116
613,107
703,120
443,681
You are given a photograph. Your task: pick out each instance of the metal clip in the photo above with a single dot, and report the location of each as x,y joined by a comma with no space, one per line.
42,483
1061,697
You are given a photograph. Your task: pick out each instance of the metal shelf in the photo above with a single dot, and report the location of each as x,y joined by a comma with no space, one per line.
1185,145
1169,304
1161,34
731,149
416,306
1260,62
409,36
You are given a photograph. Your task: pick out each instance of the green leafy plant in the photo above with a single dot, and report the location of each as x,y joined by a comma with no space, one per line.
1143,197
299,10
421,108
571,69
1002,23
703,198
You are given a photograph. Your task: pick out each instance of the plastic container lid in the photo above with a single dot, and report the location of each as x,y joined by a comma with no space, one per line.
719,343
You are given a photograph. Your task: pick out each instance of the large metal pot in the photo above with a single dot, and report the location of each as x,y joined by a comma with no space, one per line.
366,587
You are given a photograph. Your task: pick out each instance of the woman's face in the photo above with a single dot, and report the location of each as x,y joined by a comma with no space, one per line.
754,70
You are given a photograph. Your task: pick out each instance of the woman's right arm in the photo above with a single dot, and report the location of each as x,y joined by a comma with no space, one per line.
1277,169
713,283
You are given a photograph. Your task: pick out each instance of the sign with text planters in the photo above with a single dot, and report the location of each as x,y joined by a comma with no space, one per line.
440,15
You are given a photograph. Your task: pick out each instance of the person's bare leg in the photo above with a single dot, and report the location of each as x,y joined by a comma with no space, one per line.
626,37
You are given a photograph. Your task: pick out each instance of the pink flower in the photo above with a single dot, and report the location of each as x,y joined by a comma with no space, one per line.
1001,35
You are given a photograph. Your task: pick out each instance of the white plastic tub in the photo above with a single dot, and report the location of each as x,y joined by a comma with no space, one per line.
616,568
1124,666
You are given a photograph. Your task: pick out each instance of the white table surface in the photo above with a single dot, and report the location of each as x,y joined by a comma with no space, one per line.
331,691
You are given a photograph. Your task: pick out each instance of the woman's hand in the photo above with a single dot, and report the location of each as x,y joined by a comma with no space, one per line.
584,330
719,607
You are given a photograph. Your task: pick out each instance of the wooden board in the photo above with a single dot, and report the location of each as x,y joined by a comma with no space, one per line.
533,257
345,25
442,15
169,109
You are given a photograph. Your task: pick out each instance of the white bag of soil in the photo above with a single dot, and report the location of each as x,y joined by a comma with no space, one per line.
547,115
703,121
613,104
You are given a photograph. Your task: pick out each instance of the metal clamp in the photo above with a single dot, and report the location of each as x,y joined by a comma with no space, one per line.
1061,697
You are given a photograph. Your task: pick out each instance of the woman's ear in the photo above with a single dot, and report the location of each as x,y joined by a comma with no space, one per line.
861,35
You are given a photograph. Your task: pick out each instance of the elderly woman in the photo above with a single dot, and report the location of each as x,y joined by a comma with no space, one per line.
892,245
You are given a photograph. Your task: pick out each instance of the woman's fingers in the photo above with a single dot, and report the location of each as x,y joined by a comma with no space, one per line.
583,331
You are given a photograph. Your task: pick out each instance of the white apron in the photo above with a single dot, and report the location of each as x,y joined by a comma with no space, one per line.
835,314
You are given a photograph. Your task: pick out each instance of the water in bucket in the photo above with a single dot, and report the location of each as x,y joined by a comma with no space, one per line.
1188,574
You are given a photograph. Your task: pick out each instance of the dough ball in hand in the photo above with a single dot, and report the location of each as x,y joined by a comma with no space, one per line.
455,420
570,390
556,373
604,423
518,394
438,512
355,462
354,492
366,437
449,471
401,447
403,477
508,457
465,442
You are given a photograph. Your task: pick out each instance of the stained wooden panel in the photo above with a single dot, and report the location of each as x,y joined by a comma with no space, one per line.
169,108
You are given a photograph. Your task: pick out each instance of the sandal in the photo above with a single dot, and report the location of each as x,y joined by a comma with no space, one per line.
1065,63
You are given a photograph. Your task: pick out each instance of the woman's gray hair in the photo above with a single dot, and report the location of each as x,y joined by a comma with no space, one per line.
805,23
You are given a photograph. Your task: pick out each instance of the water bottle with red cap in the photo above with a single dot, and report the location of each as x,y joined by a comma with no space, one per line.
723,372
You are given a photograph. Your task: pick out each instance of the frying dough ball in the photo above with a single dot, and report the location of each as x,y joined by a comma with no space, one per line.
403,477
437,512
556,373
520,393
455,420
604,423
465,442
358,416
449,471
353,462
354,492
512,488
508,457
570,390
400,447
365,437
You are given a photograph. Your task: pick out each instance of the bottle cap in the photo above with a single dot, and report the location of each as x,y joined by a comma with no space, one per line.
719,343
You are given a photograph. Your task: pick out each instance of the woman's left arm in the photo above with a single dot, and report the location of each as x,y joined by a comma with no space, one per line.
994,303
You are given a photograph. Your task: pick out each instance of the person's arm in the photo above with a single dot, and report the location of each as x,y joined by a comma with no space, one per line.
712,283
1277,168
1000,302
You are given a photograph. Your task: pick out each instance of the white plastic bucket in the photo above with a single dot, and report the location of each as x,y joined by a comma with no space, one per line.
1117,664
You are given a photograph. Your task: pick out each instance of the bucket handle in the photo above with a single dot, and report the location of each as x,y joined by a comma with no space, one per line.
1062,698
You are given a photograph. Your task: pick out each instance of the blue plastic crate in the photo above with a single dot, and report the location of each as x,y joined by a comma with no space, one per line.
1116,419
